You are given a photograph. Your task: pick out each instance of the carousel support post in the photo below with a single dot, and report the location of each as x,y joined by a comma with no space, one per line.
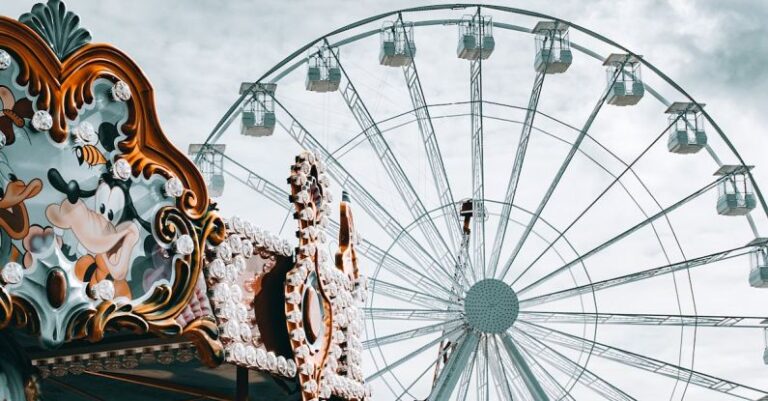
241,393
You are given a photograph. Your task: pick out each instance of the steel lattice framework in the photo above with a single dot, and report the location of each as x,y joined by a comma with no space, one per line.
426,337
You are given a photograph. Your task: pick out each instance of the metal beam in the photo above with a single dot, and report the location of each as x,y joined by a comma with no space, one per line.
531,382
466,376
636,319
499,374
393,168
478,174
457,363
372,252
428,137
517,165
616,180
644,363
381,287
571,368
625,234
367,202
410,314
413,333
447,336
564,166
552,387
638,276
482,385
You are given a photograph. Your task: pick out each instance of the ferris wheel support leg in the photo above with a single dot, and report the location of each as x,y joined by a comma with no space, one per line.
456,365
570,368
564,166
606,244
531,382
644,363
499,374
466,376
553,388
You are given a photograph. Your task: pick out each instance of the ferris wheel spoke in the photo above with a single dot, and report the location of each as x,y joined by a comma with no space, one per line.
552,387
482,386
616,180
393,167
367,202
564,166
456,366
641,275
450,335
644,363
416,380
517,167
402,270
531,382
411,314
375,254
431,146
570,368
478,174
637,319
466,376
638,226
410,334
409,295
499,374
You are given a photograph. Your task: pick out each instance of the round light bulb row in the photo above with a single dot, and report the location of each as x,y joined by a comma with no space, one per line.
237,325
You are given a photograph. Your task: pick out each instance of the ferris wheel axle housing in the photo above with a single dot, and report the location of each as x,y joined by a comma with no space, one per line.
491,306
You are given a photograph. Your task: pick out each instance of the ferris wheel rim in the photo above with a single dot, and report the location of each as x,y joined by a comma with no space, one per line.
644,62
518,11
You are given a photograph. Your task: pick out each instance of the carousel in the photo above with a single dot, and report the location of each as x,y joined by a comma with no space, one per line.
120,278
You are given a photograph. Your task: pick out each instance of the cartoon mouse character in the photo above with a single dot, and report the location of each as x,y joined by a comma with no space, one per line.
109,231
14,219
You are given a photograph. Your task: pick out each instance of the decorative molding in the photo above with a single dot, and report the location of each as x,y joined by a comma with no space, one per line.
57,26
59,70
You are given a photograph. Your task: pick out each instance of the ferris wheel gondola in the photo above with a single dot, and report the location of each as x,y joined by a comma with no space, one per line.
496,296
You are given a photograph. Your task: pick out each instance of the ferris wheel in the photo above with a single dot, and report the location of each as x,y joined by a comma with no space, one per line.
545,214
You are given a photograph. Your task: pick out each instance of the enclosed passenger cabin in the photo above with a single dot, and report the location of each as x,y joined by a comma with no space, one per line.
258,117
758,273
397,44
553,48
686,131
475,37
323,72
735,195
211,166
628,87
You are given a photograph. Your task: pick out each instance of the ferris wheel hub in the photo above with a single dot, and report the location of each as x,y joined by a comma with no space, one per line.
491,306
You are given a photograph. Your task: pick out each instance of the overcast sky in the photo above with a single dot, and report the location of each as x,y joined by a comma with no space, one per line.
196,53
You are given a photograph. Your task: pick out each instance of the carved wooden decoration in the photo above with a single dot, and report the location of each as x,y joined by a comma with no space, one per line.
103,220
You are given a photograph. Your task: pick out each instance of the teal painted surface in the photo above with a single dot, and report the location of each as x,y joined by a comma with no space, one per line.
59,27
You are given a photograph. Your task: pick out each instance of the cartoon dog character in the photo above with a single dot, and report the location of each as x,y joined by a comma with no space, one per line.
109,231
14,218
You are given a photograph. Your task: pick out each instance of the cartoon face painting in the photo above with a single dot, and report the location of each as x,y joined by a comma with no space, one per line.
106,229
